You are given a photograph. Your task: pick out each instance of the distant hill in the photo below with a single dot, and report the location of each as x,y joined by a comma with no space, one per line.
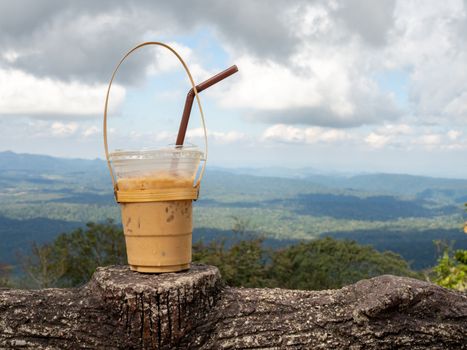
10,161
45,169
42,196
417,247
18,235
40,165
392,183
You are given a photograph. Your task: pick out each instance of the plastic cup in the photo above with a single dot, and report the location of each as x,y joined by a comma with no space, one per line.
158,234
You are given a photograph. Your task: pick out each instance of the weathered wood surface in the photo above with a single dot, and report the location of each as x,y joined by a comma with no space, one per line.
120,309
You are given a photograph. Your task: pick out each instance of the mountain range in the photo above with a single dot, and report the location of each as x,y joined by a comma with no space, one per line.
42,196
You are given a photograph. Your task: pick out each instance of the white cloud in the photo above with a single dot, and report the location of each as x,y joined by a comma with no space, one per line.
25,94
309,21
377,140
219,136
414,138
334,135
327,81
227,137
165,136
429,140
285,133
458,107
223,137
290,134
64,129
165,61
316,64
429,40
10,56
269,85
454,134
395,129
91,131
319,90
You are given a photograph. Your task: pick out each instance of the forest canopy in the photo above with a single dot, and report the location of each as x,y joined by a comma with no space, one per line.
243,260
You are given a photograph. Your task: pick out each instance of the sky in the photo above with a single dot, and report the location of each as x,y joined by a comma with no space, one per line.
339,86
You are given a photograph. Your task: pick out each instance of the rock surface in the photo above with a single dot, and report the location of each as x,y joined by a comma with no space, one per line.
121,309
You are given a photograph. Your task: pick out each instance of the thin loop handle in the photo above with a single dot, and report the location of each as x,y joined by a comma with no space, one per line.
112,175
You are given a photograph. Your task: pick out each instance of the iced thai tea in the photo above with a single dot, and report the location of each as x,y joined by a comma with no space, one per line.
158,233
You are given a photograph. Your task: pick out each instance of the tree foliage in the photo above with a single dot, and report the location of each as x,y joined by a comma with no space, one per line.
318,264
241,264
44,267
5,271
328,263
72,258
451,271
243,260
101,244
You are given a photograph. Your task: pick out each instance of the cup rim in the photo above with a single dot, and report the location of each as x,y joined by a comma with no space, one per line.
170,151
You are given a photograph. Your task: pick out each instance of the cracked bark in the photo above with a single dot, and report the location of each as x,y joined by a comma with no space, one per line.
120,309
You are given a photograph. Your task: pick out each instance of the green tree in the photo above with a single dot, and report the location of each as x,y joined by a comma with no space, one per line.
100,244
72,258
243,263
328,263
43,267
240,260
318,264
451,271
5,272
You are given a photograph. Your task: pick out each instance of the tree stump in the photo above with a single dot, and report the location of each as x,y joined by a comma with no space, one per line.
121,309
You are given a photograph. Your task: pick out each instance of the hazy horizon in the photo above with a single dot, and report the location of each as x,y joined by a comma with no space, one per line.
272,170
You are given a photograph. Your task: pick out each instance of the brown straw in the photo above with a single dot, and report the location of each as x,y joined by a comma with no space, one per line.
191,95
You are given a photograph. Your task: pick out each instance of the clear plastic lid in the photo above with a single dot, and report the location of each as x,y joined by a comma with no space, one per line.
169,152
176,163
